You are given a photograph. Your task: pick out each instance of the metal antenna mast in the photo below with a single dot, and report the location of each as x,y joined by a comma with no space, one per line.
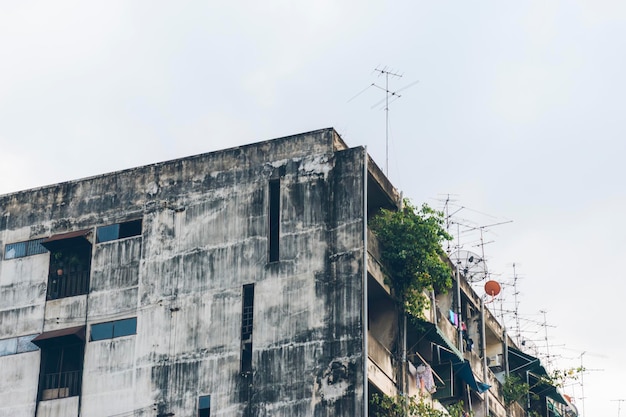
515,293
619,403
545,327
388,93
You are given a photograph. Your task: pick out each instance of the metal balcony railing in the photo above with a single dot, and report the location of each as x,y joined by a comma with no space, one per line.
68,283
61,385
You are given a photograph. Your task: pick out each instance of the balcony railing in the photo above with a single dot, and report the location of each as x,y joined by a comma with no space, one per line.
67,283
61,385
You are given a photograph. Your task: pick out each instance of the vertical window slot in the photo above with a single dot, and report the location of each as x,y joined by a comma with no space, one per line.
204,406
274,219
246,328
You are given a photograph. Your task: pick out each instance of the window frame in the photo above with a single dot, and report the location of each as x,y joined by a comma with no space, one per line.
113,335
30,247
124,230
247,328
273,220
204,406
21,344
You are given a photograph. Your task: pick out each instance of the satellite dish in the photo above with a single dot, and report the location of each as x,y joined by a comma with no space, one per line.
492,288
471,265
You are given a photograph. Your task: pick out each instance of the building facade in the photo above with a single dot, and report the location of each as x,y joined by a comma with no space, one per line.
243,282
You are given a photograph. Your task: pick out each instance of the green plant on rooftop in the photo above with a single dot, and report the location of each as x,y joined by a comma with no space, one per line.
412,254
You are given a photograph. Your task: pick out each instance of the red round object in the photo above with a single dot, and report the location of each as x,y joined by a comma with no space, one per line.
492,288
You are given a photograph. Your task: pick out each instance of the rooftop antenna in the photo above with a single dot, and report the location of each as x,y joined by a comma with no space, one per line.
446,210
516,311
545,327
478,261
386,73
619,403
388,93
582,379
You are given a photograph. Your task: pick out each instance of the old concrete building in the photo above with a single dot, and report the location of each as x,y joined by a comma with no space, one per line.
243,282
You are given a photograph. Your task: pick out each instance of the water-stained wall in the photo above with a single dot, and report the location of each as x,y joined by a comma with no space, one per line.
204,236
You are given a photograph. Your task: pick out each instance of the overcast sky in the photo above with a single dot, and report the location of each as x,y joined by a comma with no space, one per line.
518,115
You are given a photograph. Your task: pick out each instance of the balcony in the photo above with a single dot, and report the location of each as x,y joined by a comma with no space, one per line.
380,366
61,385
67,282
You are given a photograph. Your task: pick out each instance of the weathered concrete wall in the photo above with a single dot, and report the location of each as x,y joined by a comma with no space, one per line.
22,295
204,236
18,385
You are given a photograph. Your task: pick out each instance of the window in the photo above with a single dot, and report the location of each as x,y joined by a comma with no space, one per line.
61,366
204,406
274,219
246,328
21,249
118,231
70,264
113,329
17,345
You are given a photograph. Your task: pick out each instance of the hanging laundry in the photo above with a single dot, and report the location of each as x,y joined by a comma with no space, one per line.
453,318
425,380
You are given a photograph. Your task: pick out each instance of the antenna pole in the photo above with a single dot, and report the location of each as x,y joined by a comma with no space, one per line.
582,382
545,328
482,251
387,93
387,124
619,403
517,325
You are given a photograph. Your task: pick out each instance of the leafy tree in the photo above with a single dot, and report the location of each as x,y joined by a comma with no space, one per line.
410,241
559,377
458,410
514,389
399,406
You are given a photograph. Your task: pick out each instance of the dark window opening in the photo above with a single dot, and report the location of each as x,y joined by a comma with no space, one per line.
274,219
204,406
246,328
70,265
61,366
118,231
112,329
22,249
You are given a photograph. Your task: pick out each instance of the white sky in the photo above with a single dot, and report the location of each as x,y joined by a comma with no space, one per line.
518,113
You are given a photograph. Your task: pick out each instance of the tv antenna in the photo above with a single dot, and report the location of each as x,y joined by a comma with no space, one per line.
619,403
516,311
545,328
388,93
386,72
